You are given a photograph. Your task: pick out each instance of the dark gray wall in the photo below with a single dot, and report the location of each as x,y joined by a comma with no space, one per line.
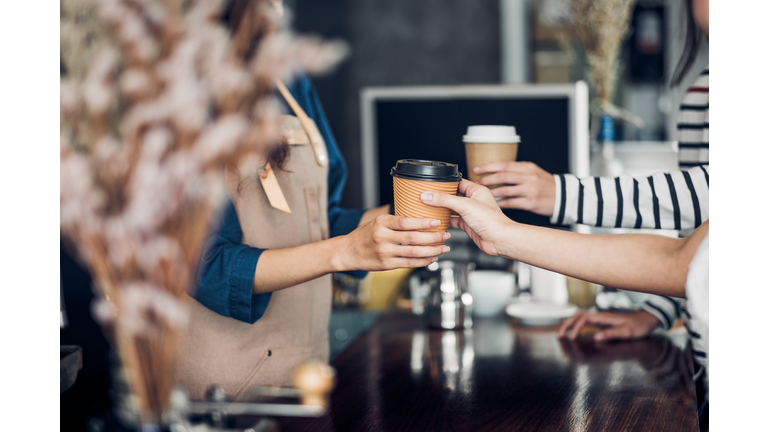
397,42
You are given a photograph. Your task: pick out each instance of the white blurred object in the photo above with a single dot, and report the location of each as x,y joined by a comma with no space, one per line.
537,312
515,35
548,286
615,300
523,273
637,297
491,291
643,158
555,13
605,163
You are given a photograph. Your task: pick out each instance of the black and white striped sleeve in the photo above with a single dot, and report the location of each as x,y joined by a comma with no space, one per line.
693,124
674,200
666,309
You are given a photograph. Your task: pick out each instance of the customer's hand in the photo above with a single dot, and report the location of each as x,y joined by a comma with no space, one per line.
389,242
522,185
620,325
480,217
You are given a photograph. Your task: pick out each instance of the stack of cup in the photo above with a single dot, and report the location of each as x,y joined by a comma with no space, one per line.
411,177
486,144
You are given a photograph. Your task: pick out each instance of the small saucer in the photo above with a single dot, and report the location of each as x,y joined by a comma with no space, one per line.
540,313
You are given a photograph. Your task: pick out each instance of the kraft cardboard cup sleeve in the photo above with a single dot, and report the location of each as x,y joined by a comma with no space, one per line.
486,144
411,177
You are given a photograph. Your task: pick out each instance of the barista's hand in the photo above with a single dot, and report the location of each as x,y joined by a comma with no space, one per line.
378,244
480,217
522,185
621,325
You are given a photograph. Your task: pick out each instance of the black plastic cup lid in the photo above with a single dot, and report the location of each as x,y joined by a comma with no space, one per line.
426,170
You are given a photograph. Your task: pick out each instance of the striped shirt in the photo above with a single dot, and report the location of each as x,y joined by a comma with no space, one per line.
676,200
693,136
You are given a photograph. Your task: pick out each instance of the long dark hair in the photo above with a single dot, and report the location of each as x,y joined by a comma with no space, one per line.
693,36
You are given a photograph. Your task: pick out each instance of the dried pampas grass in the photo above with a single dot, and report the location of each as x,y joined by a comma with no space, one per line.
158,98
600,26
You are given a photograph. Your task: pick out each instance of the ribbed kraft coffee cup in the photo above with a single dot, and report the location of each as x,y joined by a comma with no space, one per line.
411,177
486,144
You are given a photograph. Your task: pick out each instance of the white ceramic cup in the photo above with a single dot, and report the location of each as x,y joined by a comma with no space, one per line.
491,291
548,286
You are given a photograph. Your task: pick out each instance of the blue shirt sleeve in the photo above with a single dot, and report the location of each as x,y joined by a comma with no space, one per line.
227,267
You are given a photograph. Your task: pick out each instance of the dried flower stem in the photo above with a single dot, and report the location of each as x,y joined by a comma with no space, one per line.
600,26
158,99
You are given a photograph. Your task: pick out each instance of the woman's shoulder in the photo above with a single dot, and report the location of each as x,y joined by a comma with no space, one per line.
696,97
701,82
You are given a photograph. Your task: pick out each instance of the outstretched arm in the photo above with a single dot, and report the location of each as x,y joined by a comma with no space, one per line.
639,262
236,280
386,242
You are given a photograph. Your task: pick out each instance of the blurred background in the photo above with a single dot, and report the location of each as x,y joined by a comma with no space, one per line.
450,42
423,43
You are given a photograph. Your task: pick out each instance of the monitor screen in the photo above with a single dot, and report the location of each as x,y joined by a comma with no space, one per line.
430,125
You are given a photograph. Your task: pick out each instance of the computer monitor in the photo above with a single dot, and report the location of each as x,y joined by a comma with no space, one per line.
429,122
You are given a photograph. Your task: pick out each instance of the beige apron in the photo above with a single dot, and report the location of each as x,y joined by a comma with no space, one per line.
236,355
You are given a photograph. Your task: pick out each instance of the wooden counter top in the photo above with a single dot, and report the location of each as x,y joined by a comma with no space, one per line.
401,376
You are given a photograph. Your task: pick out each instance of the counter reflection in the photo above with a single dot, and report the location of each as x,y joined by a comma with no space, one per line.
499,375
641,366
449,356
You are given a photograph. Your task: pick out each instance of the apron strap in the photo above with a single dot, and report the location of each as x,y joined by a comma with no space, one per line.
318,144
